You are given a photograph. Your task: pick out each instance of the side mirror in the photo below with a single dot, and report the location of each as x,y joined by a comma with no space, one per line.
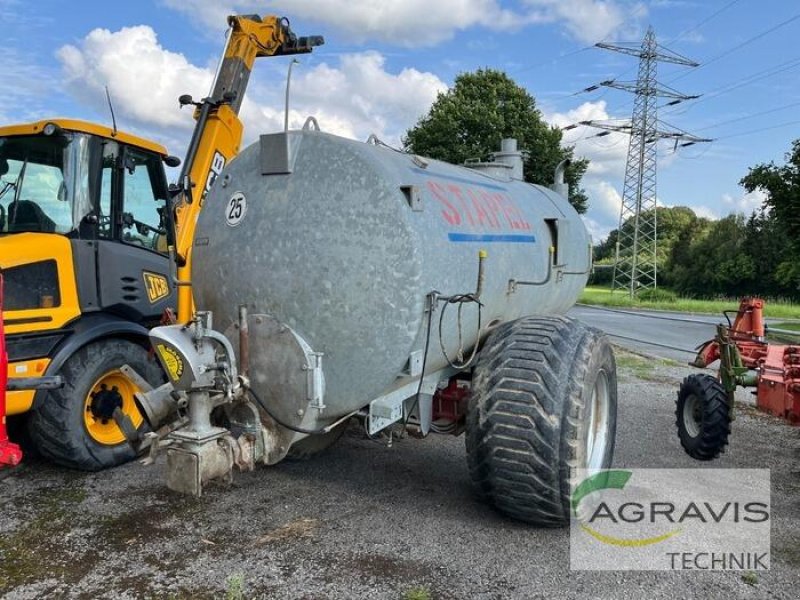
172,161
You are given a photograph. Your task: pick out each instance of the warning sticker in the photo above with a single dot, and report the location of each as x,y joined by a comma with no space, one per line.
173,364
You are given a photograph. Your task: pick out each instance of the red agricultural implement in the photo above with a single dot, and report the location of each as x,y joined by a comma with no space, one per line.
705,403
10,454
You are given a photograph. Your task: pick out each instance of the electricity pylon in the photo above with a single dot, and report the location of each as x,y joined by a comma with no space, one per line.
635,265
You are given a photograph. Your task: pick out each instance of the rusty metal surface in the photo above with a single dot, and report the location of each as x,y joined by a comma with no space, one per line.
336,251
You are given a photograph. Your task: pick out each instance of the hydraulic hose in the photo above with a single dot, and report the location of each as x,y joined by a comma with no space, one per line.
285,425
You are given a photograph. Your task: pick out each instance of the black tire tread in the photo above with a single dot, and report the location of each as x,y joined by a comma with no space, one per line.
519,459
716,423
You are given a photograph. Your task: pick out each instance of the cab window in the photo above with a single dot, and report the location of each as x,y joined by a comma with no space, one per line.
43,183
144,201
104,215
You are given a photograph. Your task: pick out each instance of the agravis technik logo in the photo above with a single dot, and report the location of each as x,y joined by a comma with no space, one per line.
675,519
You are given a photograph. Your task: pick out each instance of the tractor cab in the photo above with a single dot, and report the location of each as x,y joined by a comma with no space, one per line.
82,181
83,213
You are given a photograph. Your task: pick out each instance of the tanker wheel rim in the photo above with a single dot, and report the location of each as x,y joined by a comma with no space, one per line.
111,390
692,415
597,437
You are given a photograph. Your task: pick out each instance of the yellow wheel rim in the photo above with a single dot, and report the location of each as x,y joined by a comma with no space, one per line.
111,390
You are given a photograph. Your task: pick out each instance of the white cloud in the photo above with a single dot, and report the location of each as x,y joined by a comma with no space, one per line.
745,203
597,230
402,22
606,153
422,22
705,211
606,200
367,97
354,98
145,80
588,21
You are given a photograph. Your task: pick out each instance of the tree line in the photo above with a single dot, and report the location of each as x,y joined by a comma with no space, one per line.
756,254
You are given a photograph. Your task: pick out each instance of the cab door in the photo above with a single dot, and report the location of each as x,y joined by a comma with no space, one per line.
133,265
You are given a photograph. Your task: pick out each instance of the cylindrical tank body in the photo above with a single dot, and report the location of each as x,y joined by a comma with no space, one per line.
344,241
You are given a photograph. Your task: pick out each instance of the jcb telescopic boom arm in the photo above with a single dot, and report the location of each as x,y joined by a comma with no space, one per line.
218,132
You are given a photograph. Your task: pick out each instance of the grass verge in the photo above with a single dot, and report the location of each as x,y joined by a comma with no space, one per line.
602,296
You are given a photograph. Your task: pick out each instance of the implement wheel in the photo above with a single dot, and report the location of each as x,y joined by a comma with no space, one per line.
543,404
703,416
74,426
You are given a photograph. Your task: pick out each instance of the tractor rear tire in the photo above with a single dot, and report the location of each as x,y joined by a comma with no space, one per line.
703,416
72,426
543,405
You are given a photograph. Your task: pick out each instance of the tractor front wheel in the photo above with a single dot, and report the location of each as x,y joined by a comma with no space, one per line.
74,426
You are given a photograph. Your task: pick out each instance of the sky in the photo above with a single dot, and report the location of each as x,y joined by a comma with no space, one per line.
385,61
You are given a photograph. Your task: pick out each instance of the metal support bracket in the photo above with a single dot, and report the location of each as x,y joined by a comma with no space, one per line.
316,383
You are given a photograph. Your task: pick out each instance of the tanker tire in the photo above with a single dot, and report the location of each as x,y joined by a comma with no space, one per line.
56,423
705,434
314,444
527,421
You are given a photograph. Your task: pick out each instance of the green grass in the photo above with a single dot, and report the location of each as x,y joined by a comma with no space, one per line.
602,296
640,367
417,593
750,578
793,326
235,587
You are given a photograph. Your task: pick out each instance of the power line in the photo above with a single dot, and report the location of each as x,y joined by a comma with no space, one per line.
703,22
739,83
741,45
759,130
553,60
747,117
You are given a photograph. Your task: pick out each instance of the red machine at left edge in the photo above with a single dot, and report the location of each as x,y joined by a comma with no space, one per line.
10,453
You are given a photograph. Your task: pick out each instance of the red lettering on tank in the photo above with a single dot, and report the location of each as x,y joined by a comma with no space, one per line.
480,210
491,207
456,191
522,221
507,210
449,212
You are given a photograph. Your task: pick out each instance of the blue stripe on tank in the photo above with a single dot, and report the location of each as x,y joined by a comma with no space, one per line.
491,237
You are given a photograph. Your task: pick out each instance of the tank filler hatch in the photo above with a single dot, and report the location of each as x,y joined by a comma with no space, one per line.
505,164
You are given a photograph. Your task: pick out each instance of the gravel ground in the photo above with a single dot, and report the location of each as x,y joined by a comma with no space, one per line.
363,520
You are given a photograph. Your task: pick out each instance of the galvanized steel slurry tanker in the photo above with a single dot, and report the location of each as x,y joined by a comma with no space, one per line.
350,280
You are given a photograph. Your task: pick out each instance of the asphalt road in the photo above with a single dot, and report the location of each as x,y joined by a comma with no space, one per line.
663,334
